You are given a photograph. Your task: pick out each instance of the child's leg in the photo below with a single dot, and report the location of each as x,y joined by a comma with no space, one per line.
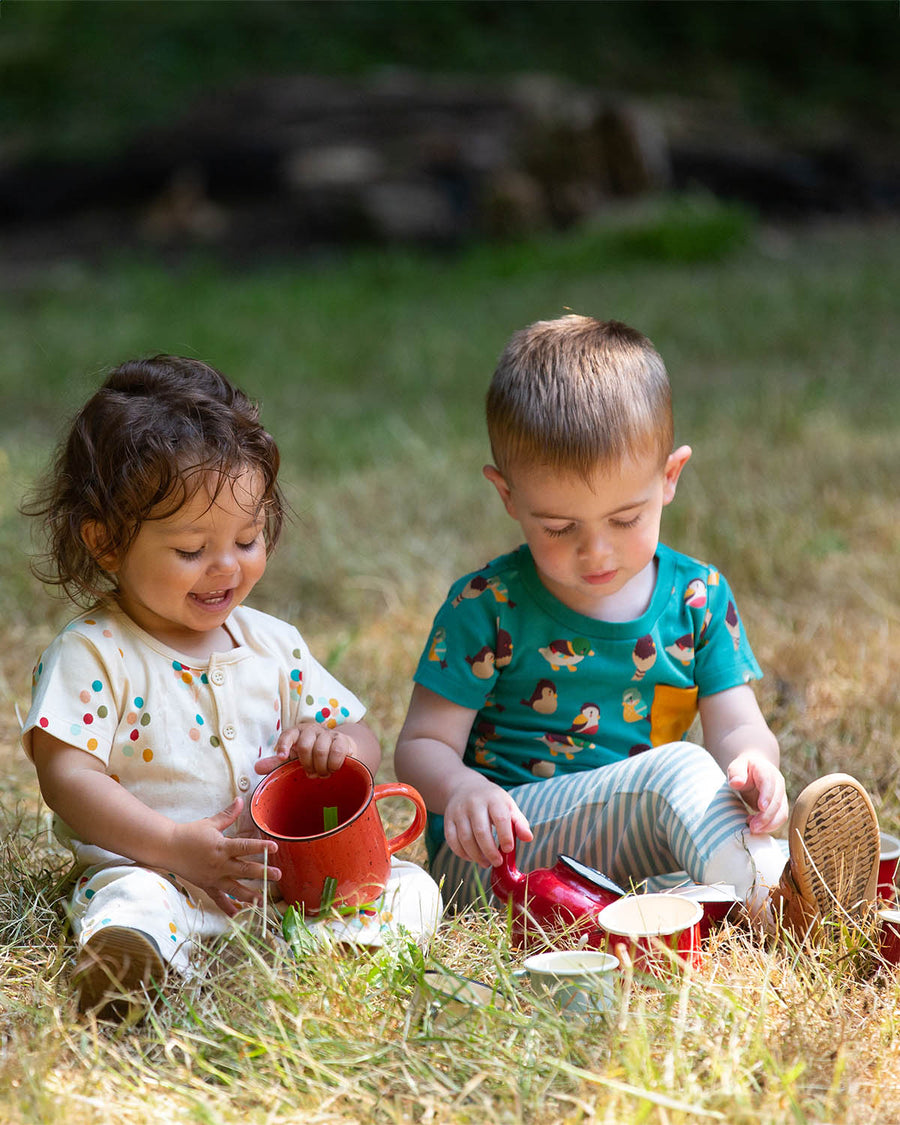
139,900
664,810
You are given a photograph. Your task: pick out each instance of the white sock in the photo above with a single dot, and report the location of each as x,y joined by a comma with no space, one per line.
751,864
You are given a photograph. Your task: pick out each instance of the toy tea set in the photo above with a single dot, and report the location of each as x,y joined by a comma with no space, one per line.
334,854
596,913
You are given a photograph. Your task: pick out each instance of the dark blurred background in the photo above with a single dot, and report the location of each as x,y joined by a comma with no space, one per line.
269,128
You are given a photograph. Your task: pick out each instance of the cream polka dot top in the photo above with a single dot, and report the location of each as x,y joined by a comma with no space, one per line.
181,737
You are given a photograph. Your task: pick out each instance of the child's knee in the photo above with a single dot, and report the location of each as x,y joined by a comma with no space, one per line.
694,755
687,764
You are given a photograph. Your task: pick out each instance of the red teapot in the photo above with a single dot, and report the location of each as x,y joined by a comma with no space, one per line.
569,895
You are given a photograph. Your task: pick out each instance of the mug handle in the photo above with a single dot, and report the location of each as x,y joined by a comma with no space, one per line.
400,789
620,952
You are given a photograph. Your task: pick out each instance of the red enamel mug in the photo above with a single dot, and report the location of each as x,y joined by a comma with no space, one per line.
887,867
889,935
719,901
647,929
332,847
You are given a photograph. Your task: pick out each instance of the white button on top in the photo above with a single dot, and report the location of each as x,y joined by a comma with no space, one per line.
217,676
243,783
228,731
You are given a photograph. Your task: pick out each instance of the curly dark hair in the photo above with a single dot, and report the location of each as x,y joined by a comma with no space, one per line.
156,431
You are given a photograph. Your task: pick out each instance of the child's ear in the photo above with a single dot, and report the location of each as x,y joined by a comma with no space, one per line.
675,462
95,538
498,480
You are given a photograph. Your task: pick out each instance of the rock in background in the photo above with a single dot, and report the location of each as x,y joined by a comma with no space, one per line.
282,166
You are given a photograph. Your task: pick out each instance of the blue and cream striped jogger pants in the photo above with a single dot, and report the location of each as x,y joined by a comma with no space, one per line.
666,810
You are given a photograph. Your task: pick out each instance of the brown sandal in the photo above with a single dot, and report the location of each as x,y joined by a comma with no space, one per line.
116,971
834,846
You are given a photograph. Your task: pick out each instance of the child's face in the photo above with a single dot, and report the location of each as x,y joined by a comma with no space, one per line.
183,575
593,541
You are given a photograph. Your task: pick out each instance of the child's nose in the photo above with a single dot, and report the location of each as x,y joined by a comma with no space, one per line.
594,545
224,562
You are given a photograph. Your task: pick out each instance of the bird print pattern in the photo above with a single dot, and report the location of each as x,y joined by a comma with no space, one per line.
555,691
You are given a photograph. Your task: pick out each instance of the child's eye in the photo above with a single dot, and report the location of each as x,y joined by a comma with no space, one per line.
189,554
623,525
248,546
556,532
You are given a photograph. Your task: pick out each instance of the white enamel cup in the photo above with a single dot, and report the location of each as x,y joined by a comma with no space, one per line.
579,982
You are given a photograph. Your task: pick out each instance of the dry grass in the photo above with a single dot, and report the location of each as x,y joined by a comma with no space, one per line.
797,504
756,1035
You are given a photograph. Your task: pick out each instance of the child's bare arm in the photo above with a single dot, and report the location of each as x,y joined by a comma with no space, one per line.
101,811
738,737
429,756
322,750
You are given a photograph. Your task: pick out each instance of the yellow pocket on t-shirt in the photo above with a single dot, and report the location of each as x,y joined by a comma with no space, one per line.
673,711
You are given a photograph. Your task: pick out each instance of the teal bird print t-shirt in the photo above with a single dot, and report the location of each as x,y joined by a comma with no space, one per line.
557,692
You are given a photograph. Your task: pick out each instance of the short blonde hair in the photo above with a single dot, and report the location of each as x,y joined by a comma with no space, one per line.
577,393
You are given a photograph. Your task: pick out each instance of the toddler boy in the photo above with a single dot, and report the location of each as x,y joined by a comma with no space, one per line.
557,687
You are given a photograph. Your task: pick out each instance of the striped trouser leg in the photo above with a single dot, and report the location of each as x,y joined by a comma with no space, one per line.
667,809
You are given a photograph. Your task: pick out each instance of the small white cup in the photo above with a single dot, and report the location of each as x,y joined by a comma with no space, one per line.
578,982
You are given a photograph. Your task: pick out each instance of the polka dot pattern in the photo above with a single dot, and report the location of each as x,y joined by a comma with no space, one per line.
91,699
138,719
329,712
160,722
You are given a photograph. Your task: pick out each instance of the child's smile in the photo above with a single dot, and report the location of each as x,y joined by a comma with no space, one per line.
184,574
212,601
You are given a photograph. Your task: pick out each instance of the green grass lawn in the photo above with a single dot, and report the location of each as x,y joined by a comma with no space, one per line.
782,348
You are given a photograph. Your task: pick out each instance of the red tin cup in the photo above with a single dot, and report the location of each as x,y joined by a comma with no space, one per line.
889,935
332,847
887,867
718,900
646,930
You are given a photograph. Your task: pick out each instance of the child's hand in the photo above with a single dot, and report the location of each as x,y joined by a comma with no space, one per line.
761,784
477,810
218,863
320,750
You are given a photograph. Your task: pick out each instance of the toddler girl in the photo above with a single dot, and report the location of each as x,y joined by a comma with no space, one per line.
155,713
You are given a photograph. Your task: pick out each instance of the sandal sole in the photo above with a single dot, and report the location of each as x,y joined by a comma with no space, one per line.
115,963
834,844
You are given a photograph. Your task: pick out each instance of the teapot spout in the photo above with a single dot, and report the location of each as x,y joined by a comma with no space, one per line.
506,878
